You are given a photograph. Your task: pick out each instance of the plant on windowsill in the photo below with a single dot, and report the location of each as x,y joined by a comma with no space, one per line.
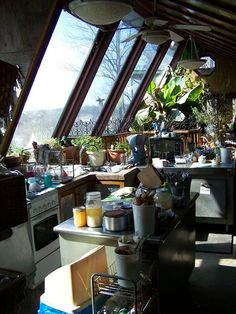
118,152
93,147
16,155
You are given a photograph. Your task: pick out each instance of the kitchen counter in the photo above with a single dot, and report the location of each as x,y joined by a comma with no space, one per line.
100,236
67,227
102,176
215,184
168,257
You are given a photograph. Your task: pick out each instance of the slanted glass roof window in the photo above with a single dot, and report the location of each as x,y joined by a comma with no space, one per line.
129,92
159,77
104,80
61,66
135,81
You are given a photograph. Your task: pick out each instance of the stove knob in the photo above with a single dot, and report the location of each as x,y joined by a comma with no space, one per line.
44,206
53,203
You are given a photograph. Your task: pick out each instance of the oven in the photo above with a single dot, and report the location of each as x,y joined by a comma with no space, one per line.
43,217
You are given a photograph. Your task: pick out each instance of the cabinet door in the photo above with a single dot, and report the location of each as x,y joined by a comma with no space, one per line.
212,199
67,202
80,193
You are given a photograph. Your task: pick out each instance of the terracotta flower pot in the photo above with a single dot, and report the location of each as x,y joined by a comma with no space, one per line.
115,155
72,154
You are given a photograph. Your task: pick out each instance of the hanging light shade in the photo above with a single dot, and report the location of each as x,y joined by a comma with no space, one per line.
101,12
155,37
190,59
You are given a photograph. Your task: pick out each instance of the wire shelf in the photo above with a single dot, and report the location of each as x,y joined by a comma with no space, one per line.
119,293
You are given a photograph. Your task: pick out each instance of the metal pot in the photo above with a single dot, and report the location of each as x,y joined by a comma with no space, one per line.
115,220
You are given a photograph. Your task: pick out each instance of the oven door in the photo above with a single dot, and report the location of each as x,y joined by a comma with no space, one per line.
44,239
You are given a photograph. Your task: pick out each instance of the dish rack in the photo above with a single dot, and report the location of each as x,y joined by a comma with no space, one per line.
119,293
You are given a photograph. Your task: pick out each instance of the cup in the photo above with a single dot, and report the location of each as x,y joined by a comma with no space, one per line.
226,155
144,219
127,265
160,163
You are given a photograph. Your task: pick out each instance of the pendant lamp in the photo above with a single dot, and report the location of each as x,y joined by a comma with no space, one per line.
190,59
155,37
101,12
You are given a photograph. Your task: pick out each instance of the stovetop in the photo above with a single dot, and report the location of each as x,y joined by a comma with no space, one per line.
30,196
42,201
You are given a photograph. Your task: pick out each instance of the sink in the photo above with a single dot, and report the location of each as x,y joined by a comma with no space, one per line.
96,169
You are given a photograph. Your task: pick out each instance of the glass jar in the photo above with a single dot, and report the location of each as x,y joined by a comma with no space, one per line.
79,214
163,199
94,209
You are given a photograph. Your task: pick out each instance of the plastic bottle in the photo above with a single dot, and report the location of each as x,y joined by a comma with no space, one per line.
94,209
47,180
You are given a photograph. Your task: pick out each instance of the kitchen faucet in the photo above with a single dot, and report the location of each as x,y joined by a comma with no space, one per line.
82,149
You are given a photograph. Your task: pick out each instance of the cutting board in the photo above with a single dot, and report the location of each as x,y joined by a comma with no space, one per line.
150,177
69,286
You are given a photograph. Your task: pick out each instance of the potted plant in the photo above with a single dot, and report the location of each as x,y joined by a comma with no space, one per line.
171,103
93,146
118,152
23,153
16,155
56,150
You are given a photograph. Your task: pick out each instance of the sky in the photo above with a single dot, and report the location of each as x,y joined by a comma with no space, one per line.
56,78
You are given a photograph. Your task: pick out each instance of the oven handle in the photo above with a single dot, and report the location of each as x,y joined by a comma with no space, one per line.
46,214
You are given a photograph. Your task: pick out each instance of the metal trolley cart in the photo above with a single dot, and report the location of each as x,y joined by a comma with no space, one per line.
121,295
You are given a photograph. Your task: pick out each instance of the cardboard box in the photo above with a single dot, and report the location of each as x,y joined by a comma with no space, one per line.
69,286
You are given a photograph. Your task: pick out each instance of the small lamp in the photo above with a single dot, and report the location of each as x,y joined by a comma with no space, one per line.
190,59
101,12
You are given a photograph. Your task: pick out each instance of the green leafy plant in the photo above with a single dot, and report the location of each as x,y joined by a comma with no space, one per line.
215,117
54,143
125,147
18,151
90,140
173,102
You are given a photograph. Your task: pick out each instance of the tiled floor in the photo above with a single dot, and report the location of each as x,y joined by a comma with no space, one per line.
211,289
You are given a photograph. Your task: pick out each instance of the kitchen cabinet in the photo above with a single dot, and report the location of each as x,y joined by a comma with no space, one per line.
215,185
73,193
67,202
215,204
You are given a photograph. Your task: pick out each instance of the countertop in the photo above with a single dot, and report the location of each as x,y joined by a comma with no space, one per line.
67,227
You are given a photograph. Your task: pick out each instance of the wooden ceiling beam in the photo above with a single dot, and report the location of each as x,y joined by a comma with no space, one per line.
198,18
220,15
225,43
212,9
